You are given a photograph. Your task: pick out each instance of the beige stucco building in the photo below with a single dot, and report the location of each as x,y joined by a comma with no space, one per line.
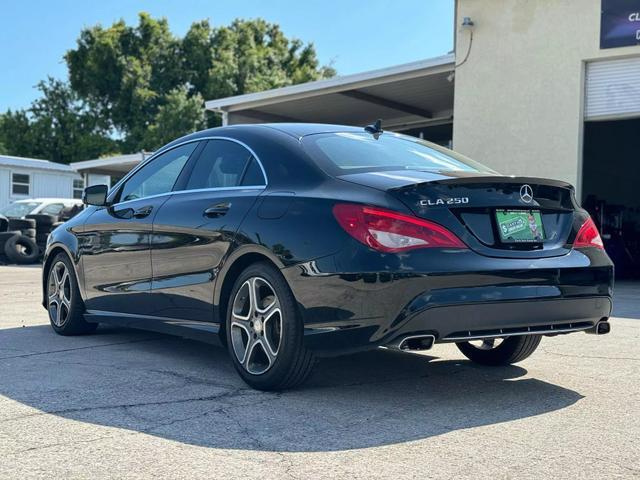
520,95
542,88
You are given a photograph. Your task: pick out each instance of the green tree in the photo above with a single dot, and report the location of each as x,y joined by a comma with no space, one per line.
16,135
247,56
129,71
66,127
126,71
58,126
138,87
179,115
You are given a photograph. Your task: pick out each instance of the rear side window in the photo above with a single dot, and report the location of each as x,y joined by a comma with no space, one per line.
353,152
224,164
253,176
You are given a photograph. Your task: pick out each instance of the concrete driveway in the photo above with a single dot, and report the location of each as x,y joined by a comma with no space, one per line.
130,404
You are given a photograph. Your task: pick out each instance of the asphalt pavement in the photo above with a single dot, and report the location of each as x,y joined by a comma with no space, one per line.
130,404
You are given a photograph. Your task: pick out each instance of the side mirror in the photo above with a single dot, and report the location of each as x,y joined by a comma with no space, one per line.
95,195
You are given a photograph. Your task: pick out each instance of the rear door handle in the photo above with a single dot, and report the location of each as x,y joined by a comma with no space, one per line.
143,211
218,210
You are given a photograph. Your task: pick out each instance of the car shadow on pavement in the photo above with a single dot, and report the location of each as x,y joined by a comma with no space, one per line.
189,392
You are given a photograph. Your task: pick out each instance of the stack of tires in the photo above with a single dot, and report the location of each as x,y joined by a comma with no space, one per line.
25,226
4,236
18,248
19,240
44,225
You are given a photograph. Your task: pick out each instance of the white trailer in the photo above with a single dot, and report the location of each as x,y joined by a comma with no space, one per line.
22,178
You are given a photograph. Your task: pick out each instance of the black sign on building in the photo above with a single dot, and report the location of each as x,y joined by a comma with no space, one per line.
620,23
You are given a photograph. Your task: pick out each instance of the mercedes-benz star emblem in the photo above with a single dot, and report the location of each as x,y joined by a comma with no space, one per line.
526,193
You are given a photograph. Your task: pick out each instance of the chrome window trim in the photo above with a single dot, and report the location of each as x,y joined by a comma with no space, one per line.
157,195
219,189
195,190
117,186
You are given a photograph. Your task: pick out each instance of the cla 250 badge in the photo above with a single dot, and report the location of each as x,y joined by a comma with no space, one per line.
444,201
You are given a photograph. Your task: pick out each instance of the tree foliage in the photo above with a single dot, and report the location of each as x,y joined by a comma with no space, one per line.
180,114
58,126
137,87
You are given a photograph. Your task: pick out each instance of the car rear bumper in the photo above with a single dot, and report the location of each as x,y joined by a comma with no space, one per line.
454,323
348,312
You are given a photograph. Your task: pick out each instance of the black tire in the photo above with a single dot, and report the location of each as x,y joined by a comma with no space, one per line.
4,236
511,350
45,230
21,223
29,232
292,363
71,320
41,239
21,249
43,220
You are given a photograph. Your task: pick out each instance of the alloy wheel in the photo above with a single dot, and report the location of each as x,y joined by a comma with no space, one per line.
59,294
256,325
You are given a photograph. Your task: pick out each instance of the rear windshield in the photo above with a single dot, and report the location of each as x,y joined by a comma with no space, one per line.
351,152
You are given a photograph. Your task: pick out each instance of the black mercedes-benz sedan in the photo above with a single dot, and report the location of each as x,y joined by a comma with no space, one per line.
289,242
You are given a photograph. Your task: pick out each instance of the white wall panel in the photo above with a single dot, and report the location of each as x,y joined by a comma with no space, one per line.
5,186
52,185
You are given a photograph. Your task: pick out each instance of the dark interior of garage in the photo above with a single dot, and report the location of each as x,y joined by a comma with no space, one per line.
611,189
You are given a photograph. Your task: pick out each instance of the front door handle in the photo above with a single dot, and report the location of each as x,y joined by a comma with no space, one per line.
143,211
218,210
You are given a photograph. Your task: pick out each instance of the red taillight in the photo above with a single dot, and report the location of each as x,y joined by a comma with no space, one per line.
588,236
389,231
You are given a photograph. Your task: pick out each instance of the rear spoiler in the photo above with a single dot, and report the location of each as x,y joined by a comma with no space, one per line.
489,179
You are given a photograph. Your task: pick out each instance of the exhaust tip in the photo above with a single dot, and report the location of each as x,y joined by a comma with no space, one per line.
417,343
603,328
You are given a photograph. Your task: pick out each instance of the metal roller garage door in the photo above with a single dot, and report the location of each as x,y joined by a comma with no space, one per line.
613,89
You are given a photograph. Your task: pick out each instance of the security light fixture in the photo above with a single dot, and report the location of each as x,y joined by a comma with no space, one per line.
467,22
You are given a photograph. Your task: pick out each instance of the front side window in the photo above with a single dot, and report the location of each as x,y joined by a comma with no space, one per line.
20,184
78,187
353,152
223,164
159,175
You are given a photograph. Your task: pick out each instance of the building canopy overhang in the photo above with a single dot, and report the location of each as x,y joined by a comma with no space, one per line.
403,96
114,166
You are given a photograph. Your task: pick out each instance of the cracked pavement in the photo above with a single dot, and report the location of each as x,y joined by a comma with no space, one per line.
130,404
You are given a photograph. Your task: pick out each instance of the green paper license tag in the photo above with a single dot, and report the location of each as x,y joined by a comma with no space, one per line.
520,226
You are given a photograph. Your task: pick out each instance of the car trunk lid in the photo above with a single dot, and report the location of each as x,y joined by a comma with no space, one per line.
474,206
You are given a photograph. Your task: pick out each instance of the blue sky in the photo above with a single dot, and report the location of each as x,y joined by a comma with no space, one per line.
355,35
